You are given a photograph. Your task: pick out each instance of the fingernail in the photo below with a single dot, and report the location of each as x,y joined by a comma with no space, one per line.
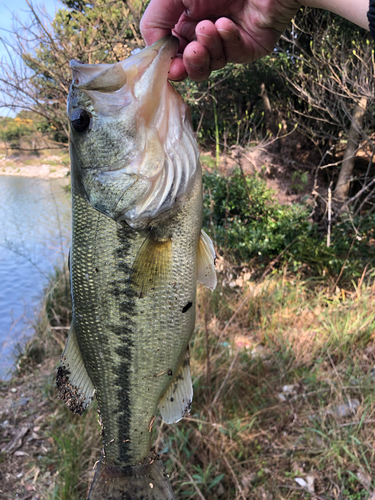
198,61
226,35
200,68
209,42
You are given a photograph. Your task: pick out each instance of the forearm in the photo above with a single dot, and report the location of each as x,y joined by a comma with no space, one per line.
353,10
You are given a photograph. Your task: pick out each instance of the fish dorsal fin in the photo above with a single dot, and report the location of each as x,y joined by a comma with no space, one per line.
206,273
152,266
176,402
73,382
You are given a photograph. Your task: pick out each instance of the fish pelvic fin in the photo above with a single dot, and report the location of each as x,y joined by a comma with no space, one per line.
206,274
73,382
152,266
147,481
176,402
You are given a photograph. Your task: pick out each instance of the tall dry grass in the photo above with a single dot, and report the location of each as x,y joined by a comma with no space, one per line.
283,397
283,392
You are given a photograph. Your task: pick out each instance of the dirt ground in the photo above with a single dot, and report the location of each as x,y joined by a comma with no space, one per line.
24,412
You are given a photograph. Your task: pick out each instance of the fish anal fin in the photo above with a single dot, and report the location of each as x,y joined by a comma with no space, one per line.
206,273
152,266
176,401
73,382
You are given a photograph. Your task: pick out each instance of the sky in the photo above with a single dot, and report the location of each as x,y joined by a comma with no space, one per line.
20,8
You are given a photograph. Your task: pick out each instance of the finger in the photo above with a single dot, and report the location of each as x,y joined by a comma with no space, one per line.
197,61
160,18
209,37
239,46
177,70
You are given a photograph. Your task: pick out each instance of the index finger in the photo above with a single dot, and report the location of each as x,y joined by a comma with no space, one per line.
160,18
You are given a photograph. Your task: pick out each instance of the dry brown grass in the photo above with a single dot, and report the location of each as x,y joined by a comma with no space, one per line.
249,438
283,391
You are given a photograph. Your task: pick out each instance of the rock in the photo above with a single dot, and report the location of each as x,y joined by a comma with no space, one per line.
288,391
248,479
220,490
310,484
5,424
20,454
301,482
307,484
343,410
20,402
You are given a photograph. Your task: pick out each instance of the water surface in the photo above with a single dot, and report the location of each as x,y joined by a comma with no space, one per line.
34,237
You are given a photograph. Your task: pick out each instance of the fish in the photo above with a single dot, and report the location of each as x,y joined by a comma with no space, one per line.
137,252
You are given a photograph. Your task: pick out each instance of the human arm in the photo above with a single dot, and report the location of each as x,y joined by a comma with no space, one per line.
353,10
214,32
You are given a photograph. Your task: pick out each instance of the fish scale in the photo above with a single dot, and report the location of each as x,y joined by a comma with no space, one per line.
148,330
98,302
137,253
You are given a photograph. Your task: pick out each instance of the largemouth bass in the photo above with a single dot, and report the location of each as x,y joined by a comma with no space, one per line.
137,253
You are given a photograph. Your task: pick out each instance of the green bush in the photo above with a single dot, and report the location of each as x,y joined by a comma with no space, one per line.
248,224
244,218
12,131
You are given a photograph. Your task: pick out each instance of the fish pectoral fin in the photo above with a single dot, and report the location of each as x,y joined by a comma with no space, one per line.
152,266
206,273
176,402
73,382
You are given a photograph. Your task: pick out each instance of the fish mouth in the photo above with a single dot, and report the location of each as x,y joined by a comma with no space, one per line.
144,71
155,60
138,156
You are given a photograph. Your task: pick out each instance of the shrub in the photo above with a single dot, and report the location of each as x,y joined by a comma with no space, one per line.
244,218
248,224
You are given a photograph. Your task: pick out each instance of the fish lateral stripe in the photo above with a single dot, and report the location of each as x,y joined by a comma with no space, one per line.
137,216
187,307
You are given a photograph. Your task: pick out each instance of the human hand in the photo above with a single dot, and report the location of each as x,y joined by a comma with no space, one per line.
214,32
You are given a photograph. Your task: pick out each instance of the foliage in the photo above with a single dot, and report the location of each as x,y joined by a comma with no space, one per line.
92,32
247,223
12,131
236,91
327,64
272,398
243,216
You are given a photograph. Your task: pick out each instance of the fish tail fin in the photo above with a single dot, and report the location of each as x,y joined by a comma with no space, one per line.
147,481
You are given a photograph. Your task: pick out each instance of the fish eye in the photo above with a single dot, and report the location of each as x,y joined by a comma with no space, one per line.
80,120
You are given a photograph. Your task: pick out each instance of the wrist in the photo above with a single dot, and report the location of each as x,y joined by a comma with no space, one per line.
353,10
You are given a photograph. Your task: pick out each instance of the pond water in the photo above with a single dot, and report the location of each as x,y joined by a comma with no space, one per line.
35,231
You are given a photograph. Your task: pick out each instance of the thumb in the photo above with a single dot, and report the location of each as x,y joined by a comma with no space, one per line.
160,18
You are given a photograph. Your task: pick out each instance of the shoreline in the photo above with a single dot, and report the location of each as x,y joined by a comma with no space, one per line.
43,171
48,166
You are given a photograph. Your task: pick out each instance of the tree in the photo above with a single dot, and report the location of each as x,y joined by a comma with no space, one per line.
36,75
242,110
328,65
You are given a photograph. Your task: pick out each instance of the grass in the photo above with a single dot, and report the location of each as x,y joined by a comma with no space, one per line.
77,447
283,391
247,438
